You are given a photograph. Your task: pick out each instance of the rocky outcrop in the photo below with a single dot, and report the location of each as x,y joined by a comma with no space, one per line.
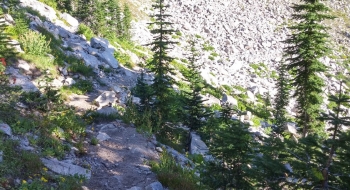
64,168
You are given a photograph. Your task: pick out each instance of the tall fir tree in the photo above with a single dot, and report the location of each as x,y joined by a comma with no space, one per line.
160,64
113,16
193,101
282,98
307,44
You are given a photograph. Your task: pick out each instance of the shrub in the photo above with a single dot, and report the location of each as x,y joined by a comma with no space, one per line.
34,43
173,175
86,31
80,67
81,87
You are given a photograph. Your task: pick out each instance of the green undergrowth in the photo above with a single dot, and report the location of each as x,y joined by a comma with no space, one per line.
92,116
50,127
172,175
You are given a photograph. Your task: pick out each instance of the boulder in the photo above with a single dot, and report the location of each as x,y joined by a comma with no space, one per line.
291,128
16,45
23,65
107,110
229,99
248,116
8,19
197,145
102,136
106,51
6,129
107,98
64,168
42,8
154,186
74,23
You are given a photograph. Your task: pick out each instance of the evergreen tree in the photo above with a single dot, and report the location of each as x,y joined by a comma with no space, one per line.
126,22
336,173
99,25
193,102
65,5
84,11
233,148
143,91
113,16
282,98
160,64
307,44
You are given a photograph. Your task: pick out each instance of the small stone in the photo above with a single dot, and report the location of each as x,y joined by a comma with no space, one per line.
159,149
4,128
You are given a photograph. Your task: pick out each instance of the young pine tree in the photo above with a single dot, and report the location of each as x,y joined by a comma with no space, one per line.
233,148
193,101
160,64
282,98
307,44
143,91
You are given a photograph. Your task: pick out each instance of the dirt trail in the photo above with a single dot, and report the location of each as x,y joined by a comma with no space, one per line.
121,161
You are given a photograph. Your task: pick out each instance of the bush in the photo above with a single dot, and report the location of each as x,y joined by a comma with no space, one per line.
80,67
86,31
81,87
34,43
172,175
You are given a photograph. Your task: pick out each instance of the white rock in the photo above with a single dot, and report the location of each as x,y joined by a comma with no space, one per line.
64,168
102,136
291,128
43,9
4,128
23,65
74,23
229,99
248,116
106,98
106,51
197,146
107,110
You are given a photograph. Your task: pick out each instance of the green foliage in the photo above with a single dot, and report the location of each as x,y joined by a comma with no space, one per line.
306,45
282,98
91,116
160,64
232,146
6,49
193,108
124,59
173,176
34,43
207,47
94,141
86,31
51,3
80,67
20,28
80,87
